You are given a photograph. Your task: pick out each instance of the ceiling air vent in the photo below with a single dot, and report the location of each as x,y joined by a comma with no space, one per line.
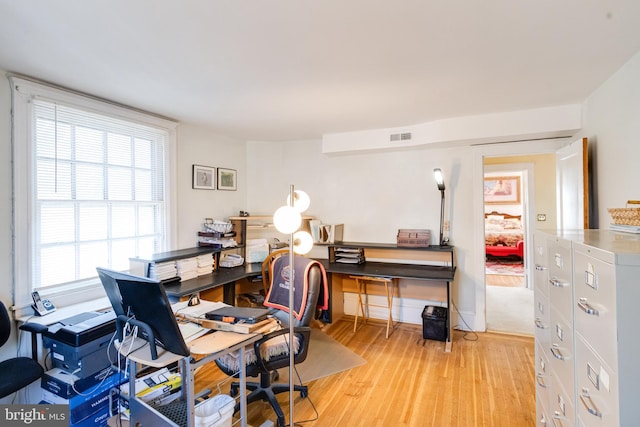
400,136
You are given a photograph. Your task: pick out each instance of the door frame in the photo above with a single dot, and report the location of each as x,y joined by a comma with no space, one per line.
480,151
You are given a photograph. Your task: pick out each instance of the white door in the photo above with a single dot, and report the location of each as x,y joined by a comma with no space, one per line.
571,165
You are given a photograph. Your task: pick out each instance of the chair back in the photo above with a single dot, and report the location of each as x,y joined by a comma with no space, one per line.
314,279
5,324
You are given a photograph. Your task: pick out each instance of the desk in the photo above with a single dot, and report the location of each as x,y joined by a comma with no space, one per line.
144,415
396,267
225,277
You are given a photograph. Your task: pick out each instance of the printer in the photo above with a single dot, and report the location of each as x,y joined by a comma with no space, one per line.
79,344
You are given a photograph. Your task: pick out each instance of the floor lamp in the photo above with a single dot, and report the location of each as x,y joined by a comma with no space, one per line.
287,220
437,173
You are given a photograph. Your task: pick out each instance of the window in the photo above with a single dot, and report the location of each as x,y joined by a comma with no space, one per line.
90,186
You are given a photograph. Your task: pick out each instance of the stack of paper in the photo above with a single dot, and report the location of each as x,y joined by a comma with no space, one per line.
162,270
187,268
205,264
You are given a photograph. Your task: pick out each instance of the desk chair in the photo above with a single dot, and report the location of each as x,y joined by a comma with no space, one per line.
18,372
265,367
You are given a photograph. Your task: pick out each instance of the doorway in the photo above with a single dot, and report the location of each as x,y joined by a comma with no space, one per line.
508,199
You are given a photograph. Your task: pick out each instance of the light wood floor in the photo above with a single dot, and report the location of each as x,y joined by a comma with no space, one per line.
505,280
487,380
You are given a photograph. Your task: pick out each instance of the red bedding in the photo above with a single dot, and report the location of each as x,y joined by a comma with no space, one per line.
503,235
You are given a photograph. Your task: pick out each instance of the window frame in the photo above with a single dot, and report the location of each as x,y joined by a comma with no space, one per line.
23,91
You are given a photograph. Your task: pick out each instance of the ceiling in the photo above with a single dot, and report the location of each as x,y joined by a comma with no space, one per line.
298,69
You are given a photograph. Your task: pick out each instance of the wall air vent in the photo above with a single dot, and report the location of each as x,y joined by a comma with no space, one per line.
406,136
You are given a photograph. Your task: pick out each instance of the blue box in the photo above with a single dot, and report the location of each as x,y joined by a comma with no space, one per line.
67,385
95,399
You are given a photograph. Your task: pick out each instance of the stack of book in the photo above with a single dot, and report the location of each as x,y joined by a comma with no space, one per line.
349,255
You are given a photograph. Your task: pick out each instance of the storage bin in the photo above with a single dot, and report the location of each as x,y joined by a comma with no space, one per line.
434,323
215,412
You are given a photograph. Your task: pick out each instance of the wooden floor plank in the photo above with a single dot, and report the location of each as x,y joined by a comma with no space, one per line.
488,381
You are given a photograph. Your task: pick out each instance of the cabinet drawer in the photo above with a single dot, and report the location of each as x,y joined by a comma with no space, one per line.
561,351
559,259
562,409
542,415
542,318
597,388
595,305
543,377
541,278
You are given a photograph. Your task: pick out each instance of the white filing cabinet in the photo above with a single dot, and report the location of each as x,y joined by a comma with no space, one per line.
607,297
542,310
561,349
594,342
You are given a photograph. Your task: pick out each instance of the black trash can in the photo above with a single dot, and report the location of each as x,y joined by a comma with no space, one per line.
434,323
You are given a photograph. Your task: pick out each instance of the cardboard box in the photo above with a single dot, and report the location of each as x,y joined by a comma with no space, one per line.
66,385
84,405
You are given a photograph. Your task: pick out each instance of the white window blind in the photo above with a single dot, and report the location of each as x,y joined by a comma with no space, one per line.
91,188
99,185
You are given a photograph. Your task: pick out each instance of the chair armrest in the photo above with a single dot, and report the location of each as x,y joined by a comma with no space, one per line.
35,329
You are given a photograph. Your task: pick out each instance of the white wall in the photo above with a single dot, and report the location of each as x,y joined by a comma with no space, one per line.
612,116
201,146
373,194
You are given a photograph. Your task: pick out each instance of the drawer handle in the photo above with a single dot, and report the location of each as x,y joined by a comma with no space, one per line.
540,381
540,267
587,308
539,324
588,403
557,283
557,353
556,419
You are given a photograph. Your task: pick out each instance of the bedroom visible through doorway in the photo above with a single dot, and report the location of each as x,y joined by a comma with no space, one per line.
509,299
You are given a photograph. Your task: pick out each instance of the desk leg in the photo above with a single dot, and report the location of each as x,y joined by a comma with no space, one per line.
229,293
243,390
188,373
447,345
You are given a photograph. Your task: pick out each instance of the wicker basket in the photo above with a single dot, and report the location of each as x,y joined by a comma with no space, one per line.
626,216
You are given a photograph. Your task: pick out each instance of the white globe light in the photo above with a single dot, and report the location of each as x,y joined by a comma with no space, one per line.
301,200
287,219
302,242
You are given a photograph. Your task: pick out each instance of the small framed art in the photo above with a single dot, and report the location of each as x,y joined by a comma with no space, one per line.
204,177
504,190
227,179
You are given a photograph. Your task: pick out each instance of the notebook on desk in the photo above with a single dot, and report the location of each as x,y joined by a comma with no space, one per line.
232,314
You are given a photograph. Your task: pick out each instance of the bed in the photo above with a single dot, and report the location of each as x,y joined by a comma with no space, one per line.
503,235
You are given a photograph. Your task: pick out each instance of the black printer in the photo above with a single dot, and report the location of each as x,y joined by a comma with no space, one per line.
79,343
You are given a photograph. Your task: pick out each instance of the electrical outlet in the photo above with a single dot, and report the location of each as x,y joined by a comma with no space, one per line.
446,226
542,217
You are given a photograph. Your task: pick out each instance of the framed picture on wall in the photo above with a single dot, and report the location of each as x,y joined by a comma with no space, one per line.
227,179
502,190
203,177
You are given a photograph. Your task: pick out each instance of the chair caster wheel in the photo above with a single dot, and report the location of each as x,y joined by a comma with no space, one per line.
233,392
304,394
281,423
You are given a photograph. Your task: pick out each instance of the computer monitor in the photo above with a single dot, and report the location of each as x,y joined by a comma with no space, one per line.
108,279
148,303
